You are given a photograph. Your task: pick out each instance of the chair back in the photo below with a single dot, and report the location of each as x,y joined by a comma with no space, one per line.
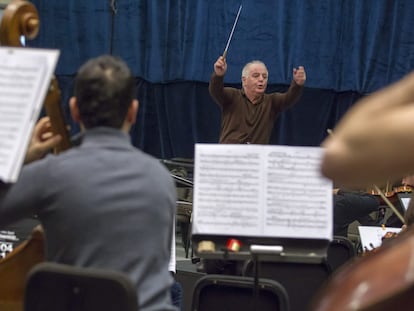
52,286
235,293
300,279
340,251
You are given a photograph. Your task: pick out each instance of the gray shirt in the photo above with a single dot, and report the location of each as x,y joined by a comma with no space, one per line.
104,204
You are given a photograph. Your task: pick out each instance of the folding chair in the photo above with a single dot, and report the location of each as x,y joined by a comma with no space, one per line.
300,279
235,293
340,250
52,287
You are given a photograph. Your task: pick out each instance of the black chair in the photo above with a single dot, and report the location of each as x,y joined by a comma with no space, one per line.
52,287
340,251
181,170
183,217
235,293
300,279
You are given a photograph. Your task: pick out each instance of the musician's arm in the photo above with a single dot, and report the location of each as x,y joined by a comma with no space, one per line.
42,141
23,198
375,139
18,200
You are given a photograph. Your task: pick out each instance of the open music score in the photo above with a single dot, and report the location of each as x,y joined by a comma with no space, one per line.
25,76
371,236
261,191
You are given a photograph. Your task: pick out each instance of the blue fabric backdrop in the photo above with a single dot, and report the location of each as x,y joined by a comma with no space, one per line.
349,48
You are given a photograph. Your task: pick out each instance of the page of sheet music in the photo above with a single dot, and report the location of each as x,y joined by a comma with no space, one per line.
371,236
257,190
405,202
25,76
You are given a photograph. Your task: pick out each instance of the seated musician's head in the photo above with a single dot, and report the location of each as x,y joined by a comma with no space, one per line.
104,94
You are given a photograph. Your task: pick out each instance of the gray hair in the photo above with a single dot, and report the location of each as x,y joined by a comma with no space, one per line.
246,68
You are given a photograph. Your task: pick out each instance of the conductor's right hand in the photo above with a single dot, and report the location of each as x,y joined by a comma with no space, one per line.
220,66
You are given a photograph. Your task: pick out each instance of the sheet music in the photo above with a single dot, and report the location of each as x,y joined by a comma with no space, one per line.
257,190
405,202
371,236
25,76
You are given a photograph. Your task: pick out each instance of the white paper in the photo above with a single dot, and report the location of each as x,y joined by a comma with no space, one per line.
25,76
261,190
371,237
405,202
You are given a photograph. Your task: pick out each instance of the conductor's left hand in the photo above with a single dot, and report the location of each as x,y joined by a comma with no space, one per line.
299,75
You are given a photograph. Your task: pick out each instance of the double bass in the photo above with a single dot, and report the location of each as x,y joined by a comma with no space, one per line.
20,18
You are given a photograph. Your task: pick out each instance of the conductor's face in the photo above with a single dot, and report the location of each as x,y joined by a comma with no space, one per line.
256,80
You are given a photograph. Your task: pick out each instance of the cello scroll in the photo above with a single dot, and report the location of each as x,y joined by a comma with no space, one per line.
20,18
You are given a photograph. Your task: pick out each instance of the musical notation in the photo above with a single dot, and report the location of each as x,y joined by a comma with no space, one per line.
24,79
262,191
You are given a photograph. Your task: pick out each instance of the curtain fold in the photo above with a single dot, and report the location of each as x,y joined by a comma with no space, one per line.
345,45
349,48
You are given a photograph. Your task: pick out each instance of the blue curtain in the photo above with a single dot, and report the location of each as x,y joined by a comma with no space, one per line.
349,48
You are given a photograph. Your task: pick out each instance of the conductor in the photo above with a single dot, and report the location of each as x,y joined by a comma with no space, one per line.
248,114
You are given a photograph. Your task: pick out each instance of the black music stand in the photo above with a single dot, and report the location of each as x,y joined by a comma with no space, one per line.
246,209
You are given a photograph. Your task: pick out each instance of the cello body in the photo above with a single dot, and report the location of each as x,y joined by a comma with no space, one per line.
15,267
382,280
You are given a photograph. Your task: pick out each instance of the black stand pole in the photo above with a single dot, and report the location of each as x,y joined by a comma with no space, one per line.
256,281
256,251
111,35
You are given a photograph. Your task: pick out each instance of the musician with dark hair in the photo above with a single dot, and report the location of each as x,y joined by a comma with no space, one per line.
103,204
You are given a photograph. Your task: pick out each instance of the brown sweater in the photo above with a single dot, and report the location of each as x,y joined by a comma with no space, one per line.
244,122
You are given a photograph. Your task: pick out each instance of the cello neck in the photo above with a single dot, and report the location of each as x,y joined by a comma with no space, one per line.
20,18
54,111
